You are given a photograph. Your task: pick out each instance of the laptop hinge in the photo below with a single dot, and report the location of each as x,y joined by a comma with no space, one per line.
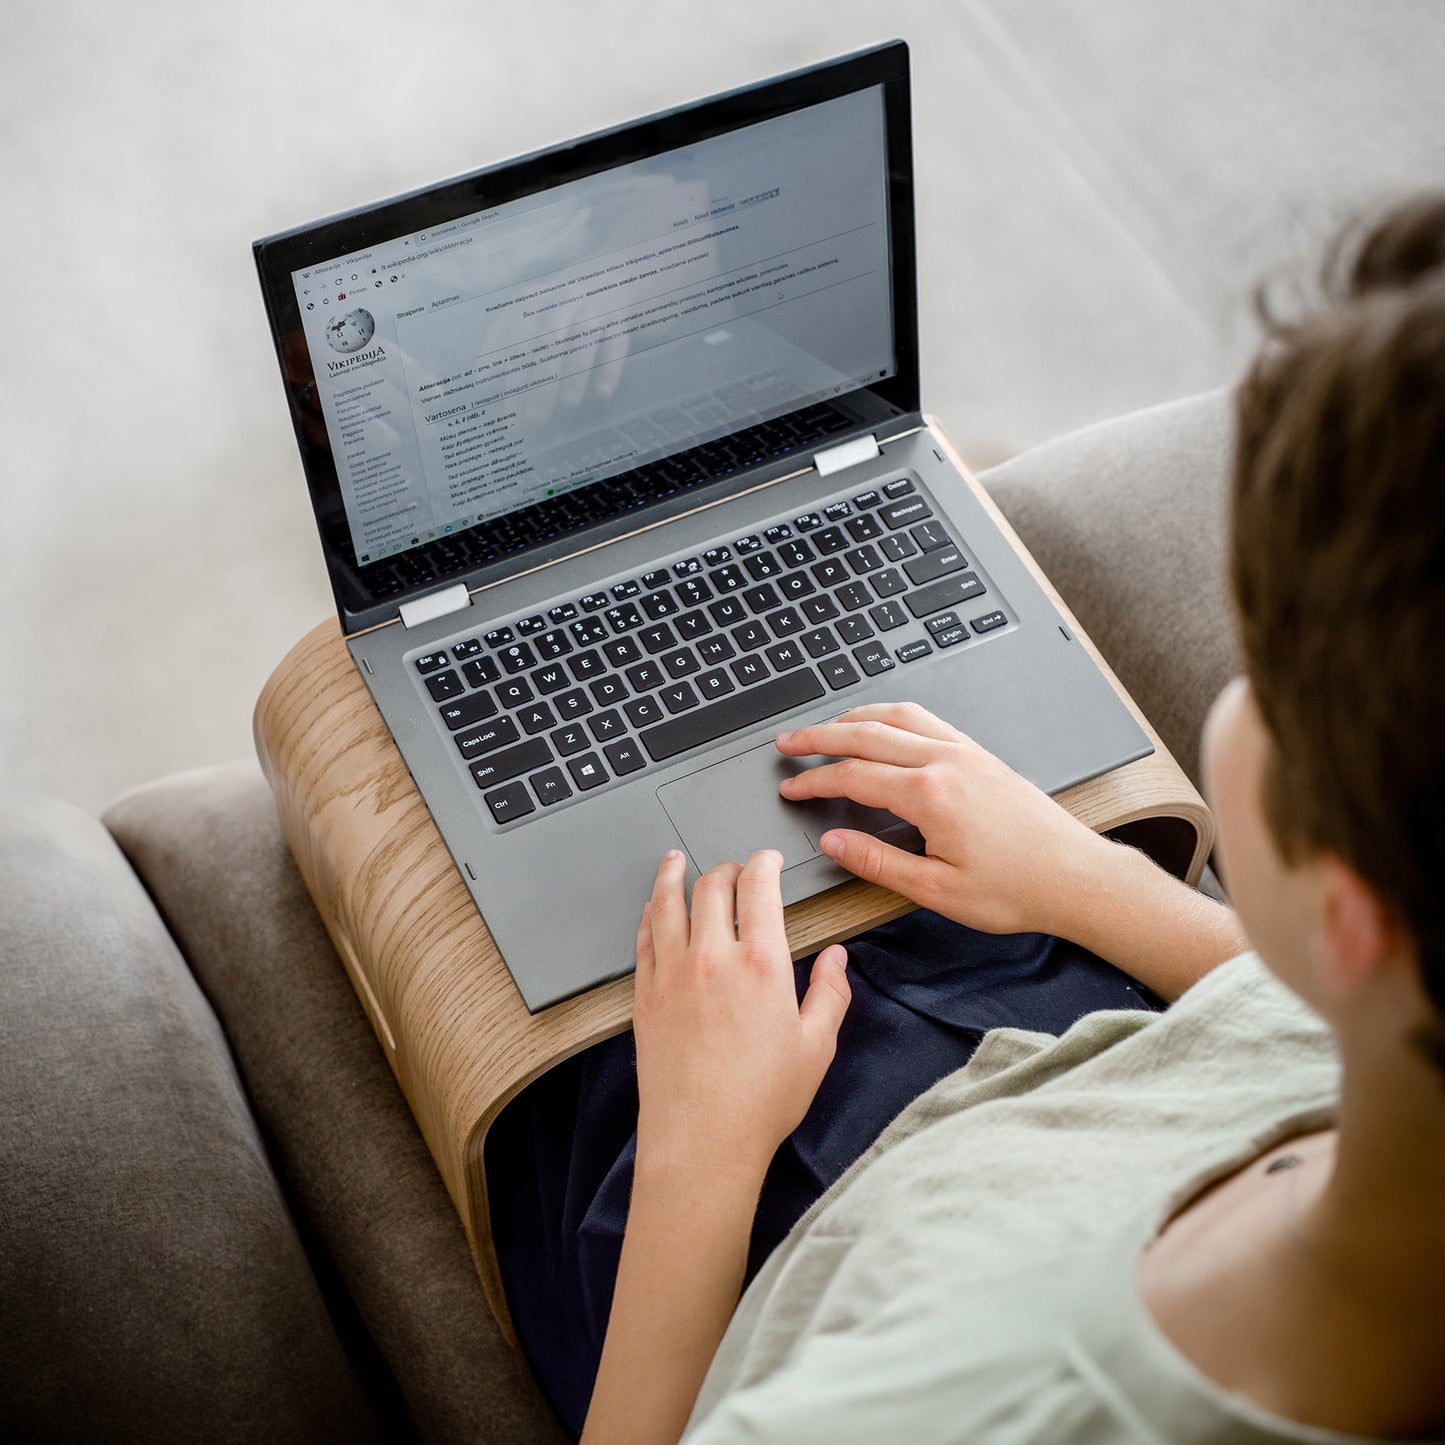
846,454
434,605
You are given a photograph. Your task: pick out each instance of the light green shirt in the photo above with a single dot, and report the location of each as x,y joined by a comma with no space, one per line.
973,1277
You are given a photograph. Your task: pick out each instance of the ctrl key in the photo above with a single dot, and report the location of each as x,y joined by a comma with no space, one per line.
509,803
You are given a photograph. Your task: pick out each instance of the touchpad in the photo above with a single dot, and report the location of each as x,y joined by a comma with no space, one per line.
729,810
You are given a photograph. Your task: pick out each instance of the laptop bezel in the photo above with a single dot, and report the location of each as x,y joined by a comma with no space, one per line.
278,256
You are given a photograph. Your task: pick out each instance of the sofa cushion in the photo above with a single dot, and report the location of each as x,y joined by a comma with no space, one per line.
347,1150
1128,519
152,1284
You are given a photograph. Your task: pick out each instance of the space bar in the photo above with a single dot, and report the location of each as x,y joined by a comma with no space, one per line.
732,714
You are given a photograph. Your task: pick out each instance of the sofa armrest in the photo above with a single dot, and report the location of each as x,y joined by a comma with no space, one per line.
209,848
1128,519
152,1283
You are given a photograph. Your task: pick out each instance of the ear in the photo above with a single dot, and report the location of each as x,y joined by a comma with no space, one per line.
1358,930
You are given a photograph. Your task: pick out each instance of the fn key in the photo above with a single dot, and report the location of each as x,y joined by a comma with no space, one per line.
510,802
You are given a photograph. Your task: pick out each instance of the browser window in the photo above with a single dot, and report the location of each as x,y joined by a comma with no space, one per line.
522,351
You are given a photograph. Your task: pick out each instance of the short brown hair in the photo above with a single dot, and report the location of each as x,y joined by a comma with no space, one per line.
1338,568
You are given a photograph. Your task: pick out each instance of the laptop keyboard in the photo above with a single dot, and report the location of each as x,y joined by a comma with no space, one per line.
547,707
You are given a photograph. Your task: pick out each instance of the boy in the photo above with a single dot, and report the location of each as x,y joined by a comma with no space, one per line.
1223,1222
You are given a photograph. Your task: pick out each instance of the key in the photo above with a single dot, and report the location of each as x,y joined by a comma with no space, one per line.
530,626
645,677
749,670
865,559
904,513
888,582
694,592
715,684
830,539
551,679
854,596
499,636
682,663
563,612
572,704
504,766
607,690
472,647
570,739
796,554
762,566
606,725
692,625
933,565
873,658
552,645
480,671
762,598
854,630
836,511
514,692
644,711
536,718
897,547
784,655
989,621
867,499
517,658
594,601
485,739
468,710
715,649
838,672
912,651
864,528
430,661
658,639
900,488
587,772
550,787
940,596
589,630
678,697
625,757
730,578
728,611
887,615
795,586
820,609
509,803
751,635
743,709
929,535
586,665
444,685
623,590
830,573
621,651
658,605
624,617
820,642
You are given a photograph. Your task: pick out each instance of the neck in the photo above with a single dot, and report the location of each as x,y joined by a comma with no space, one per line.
1376,1223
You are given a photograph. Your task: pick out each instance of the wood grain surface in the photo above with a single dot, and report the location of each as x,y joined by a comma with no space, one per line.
451,1022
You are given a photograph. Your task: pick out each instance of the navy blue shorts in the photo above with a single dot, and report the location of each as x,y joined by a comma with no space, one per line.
559,1157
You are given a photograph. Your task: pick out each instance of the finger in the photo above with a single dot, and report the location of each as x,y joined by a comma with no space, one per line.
825,1003
875,785
874,861
908,716
668,911
760,902
714,902
872,740
646,952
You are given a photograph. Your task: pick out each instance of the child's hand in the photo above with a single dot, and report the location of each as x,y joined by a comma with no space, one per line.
1000,855
727,1060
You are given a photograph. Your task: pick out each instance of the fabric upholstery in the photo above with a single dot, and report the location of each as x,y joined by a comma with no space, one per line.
360,1180
1128,520
152,1284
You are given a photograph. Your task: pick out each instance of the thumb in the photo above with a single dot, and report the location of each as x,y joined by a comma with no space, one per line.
878,862
826,1001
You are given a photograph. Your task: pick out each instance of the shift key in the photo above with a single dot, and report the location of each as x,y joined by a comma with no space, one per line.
945,594
508,764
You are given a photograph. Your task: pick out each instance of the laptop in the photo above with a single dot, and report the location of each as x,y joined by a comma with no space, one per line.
619,468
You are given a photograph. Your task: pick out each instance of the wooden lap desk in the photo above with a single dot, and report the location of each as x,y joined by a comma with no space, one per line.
451,1022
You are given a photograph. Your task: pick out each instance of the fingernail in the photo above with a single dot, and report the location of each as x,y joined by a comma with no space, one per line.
670,855
784,737
832,845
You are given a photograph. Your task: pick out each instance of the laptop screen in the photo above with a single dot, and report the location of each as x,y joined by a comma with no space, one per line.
476,375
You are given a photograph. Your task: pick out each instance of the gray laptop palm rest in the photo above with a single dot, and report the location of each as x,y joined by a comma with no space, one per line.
618,462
